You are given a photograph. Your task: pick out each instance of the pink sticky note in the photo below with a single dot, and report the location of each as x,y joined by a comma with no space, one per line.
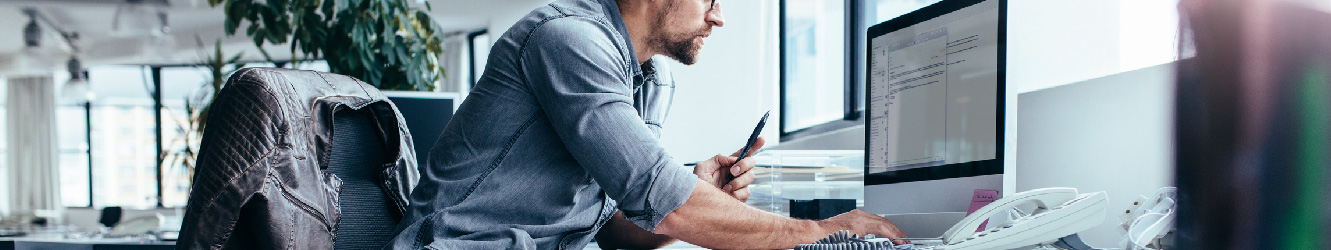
979,200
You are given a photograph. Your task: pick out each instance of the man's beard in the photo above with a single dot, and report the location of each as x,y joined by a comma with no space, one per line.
679,46
683,48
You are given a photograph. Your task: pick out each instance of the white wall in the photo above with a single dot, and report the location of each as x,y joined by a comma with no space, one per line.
1112,134
1056,42
720,99
501,21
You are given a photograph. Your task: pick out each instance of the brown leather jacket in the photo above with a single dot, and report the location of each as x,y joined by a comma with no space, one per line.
259,180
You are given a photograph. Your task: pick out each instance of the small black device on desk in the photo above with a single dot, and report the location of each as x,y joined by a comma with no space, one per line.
818,209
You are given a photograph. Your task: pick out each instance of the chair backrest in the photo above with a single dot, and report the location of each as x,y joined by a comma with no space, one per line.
267,155
367,220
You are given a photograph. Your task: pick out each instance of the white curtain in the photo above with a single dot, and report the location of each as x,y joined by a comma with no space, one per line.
454,60
33,178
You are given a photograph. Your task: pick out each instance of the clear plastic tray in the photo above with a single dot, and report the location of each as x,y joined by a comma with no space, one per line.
783,175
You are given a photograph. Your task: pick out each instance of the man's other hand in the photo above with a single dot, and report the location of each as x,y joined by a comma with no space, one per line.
719,168
863,223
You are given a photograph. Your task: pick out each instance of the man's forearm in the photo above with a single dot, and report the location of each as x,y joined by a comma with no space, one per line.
712,219
619,233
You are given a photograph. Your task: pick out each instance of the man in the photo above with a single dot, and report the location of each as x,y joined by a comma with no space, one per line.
557,144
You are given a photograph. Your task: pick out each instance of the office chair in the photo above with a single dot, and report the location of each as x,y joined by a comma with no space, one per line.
367,221
110,216
299,159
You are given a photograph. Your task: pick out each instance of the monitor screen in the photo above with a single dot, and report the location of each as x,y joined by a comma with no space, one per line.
426,115
936,93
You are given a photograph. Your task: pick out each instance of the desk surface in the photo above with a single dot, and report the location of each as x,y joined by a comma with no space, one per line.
679,245
43,242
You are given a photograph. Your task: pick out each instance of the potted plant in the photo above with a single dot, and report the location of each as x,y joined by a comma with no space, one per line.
387,43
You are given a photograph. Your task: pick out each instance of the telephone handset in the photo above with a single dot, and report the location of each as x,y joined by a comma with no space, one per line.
1059,212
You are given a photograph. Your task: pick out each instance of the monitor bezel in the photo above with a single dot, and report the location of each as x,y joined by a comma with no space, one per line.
949,171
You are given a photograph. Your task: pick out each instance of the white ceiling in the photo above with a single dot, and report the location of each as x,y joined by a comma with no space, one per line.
92,20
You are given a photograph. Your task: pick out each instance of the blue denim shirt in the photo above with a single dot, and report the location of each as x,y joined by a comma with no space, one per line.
559,133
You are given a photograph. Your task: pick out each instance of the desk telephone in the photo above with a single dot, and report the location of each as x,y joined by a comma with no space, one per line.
1058,212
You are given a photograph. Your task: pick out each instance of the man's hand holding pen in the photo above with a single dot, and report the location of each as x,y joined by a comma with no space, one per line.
723,172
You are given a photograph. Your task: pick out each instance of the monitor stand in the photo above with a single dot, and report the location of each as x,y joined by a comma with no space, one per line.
925,225
924,209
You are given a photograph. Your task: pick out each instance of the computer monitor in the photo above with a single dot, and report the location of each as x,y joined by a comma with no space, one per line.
426,114
936,98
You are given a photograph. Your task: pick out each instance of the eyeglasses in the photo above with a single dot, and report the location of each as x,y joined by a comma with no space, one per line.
711,7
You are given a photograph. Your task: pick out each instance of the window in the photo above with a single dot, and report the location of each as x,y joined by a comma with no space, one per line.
71,144
71,147
479,44
124,147
72,141
184,90
108,147
823,60
814,63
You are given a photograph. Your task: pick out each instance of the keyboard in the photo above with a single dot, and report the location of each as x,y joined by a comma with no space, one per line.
844,240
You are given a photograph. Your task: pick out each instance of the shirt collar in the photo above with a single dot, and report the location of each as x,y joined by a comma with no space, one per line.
616,18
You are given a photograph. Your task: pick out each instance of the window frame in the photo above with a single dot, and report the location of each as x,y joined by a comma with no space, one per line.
86,105
155,71
472,75
852,77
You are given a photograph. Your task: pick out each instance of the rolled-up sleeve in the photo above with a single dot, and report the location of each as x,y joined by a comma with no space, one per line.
579,78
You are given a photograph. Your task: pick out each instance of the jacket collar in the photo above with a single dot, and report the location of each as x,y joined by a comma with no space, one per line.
617,19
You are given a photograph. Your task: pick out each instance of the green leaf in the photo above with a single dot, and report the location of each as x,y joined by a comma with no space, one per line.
230,26
276,38
328,8
258,39
401,49
250,10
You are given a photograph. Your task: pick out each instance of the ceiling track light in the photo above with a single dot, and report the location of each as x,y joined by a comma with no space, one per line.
32,33
76,70
77,89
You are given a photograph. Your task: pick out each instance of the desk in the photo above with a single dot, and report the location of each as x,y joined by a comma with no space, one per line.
57,242
678,245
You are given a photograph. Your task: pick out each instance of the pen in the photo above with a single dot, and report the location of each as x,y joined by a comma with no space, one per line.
749,145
